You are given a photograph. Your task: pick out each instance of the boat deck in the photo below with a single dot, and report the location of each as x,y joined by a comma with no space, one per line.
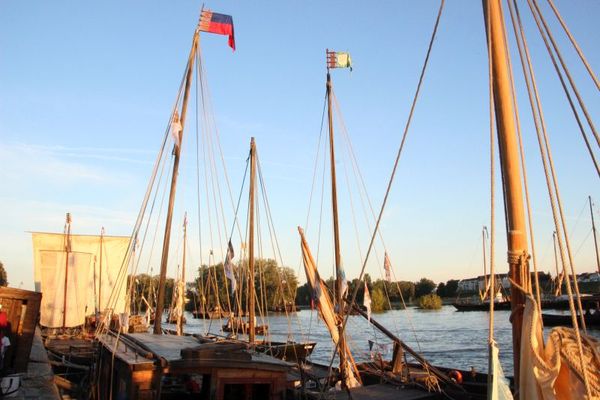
382,392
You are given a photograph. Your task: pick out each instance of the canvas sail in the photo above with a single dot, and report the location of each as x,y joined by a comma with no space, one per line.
85,279
325,307
553,370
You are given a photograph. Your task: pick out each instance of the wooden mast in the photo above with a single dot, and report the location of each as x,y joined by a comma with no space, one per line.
100,270
336,234
251,242
67,251
176,153
518,257
594,232
182,284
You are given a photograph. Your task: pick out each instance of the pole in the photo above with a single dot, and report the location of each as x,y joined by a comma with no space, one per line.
100,270
557,289
594,232
251,241
511,174
182,284
167,238
336,235
67,251
485,279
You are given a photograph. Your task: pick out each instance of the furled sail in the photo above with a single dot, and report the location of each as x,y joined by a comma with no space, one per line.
554,370
325,307
93,275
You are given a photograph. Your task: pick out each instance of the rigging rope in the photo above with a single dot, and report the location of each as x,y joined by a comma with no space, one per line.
545,152
575,45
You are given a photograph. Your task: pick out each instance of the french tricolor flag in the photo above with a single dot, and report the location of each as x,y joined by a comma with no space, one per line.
218,23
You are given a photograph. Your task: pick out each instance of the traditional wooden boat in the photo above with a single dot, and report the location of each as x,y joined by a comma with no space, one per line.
481,306
160,366
242,326
591,320
147,366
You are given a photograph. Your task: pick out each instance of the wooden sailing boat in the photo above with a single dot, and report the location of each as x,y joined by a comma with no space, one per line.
76,275
237,324
157,366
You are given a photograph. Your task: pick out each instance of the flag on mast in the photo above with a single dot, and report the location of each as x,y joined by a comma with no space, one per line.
220,24
387,266
228,266
339,59
367,302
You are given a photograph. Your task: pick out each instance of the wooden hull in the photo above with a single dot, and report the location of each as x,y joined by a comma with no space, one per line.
503,305
591,321
287,351
244,328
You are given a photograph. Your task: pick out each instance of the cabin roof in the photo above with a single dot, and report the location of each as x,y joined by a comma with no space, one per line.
169,348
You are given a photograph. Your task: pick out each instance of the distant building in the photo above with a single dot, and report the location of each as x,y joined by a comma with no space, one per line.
474,285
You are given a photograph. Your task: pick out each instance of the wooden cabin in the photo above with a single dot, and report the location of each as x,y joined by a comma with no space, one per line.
147,366
19,310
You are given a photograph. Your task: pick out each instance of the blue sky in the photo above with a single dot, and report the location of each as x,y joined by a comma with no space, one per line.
87,88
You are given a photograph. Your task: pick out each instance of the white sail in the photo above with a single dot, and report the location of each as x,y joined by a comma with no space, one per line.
88,286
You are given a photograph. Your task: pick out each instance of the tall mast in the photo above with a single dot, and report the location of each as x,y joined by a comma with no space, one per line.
251,241
67,251
177,151
485,279
518,257
594,232
182,283
336,232
100,270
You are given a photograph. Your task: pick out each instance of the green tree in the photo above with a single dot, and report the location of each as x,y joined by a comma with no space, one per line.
378,301
424,286
430,302
3,277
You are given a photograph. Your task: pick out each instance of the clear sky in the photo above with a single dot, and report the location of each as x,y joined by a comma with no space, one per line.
87,87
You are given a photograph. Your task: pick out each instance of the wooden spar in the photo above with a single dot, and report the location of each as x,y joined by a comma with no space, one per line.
442,376
100,270
557,289
518,257
182,285
485,279
594,232
67,251
336,236
251,242
177,151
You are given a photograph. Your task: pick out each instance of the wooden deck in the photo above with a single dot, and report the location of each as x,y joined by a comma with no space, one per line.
382,392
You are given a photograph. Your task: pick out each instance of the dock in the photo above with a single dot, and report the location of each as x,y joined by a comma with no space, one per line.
38,382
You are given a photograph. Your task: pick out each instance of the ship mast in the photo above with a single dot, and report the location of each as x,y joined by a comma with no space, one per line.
336,233
485,278
176,153
100,270
518,257
251,241
67,251
594,232
181,293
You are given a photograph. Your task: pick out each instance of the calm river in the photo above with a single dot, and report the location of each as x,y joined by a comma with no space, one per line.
445,337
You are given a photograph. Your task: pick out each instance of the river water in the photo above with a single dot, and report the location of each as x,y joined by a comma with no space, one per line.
444,337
